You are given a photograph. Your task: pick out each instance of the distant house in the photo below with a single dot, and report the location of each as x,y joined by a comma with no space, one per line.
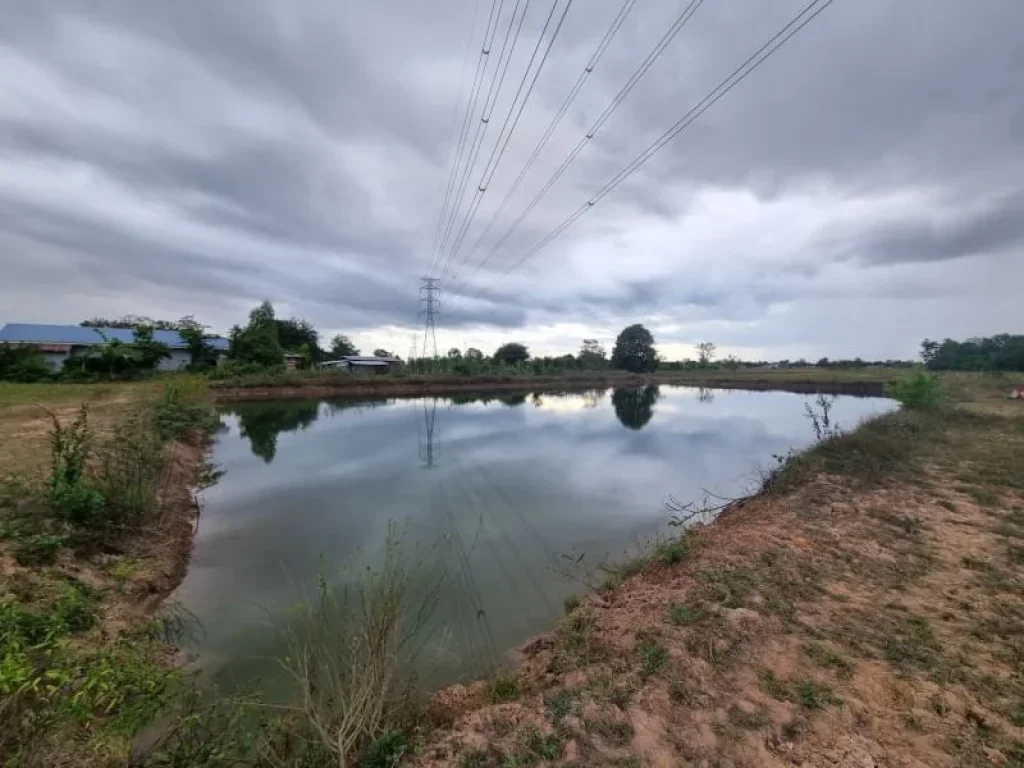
59,342
363,364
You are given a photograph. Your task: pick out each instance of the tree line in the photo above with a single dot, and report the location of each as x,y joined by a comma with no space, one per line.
1003,352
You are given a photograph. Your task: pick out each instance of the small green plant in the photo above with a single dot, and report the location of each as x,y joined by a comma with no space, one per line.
182,411
829,659
671,553
562,702
918,390
685,615
572,602
652,656
70,493
812,695
502,689
386,752
38,549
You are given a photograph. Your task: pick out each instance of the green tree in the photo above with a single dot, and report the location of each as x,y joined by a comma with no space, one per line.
195,336
147,351
634,350
635,407
512,353
455,353
299,336
258,342
592,355
342,346
474,354
381,353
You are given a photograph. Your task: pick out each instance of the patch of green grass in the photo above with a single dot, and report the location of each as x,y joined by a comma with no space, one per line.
563,702
572,602
911,644
652,654
773,686
685,615
38,549
806,692
474,759
824,657
671,552
503,689
812,695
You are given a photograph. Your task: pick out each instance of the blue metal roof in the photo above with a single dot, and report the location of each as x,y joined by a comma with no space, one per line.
32,333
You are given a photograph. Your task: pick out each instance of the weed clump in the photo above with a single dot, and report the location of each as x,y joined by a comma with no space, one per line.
918,390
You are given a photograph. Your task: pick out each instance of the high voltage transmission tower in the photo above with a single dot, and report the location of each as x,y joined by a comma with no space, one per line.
430,308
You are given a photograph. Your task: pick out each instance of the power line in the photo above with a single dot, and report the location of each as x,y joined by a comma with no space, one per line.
619,97
617,23
485,116
501,145
481,67
780,38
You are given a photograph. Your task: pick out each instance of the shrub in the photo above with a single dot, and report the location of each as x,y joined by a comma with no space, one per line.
918,390
130,472
70,493
38,549
181,411
22,362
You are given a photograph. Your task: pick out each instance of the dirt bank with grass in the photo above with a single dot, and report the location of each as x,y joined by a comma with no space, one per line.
97,513
306,384
866,609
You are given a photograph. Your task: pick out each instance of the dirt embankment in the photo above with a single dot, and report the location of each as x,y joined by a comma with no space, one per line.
388,387
868,615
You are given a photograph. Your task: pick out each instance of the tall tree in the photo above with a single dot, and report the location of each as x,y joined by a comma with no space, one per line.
342,346
296,335
258,342
706,352
148,351
592,354
512,353
455,353
474,354
634,350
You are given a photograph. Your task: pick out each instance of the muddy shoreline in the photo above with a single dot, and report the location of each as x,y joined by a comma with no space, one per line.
399,388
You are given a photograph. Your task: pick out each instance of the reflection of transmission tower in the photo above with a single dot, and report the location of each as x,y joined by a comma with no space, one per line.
429,452
430,308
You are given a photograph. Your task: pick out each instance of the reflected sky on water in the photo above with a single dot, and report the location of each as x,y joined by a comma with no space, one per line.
499,491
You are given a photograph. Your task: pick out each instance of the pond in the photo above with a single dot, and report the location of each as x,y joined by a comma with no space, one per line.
510,492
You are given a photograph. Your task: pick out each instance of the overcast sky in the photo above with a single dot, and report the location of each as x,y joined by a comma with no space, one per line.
860,191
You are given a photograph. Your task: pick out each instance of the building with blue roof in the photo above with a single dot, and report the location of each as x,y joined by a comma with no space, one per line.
59,342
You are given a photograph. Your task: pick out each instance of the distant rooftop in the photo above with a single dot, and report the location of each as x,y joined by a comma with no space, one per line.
77,335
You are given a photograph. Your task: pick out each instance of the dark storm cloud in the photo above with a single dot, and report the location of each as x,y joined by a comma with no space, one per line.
175,154
995,226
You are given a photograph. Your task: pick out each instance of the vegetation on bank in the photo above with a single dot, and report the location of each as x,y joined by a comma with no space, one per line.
80,673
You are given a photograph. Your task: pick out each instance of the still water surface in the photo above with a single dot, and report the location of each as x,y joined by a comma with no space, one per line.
512,485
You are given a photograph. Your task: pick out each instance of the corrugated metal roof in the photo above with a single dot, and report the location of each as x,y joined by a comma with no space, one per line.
32,333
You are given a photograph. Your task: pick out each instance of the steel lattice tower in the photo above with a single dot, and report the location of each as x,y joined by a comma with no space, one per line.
430,308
